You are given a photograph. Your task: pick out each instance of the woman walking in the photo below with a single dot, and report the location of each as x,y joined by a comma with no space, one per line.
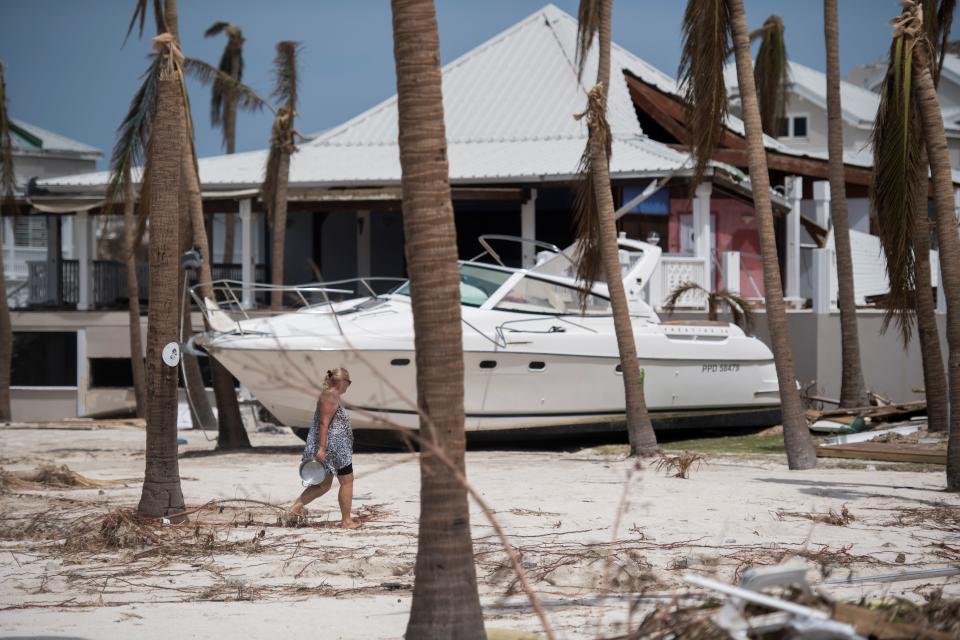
330,441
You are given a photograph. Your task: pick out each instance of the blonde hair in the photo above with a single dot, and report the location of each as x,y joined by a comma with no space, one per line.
334,377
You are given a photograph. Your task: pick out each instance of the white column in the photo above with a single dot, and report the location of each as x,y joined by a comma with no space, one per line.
794,185
702,231
83,372
731,271
363,244
821,199
81,239
822,265
528,229
246,252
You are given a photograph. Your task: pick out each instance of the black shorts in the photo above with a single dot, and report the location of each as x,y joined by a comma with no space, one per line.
347,470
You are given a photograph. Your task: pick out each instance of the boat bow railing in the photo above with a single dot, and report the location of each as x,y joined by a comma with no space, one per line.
235,300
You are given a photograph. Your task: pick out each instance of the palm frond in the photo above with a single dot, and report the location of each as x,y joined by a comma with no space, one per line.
899,181
740,308
215,29
8,182
285,72
588,24
772,75
586,208
670,304
706,33
205,73
140,13
133,135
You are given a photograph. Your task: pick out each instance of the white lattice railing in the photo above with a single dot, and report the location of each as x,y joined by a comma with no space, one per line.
672,272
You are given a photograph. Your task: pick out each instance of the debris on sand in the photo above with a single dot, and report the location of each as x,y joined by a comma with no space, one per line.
681,463
48,475
836,518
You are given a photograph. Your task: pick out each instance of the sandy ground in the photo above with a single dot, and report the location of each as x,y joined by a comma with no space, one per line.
240,573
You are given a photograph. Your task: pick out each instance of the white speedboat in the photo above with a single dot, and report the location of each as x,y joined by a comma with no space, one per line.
534,359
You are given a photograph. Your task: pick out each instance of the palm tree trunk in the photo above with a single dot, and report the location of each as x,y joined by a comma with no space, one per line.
796,434
6,348
934,377
161,493
445,599
279,206
133,300
945,218
852,390
643,441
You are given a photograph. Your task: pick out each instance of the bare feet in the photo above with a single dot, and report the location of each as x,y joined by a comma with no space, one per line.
350,524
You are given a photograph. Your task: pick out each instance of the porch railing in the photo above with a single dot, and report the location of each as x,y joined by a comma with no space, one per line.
109,286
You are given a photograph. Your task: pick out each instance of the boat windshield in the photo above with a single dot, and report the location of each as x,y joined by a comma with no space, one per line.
477,284
533,295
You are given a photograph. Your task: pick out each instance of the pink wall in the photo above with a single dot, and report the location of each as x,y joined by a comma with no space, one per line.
736,230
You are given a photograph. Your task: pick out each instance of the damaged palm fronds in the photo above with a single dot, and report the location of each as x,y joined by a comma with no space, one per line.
586,207
772,74
680,464
898,187
706,44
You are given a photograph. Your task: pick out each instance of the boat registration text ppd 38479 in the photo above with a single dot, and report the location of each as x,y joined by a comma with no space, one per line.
720,367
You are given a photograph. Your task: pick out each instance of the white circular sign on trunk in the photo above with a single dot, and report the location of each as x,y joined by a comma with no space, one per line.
171,354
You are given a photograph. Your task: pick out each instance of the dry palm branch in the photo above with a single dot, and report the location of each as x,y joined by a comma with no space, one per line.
772,74
899,181
740,308
222,94
140,14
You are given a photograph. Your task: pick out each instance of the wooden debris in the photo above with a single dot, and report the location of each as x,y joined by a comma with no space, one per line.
885,451
872,623
78,424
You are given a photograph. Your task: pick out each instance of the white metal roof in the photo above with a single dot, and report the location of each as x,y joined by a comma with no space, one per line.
50,142
508,106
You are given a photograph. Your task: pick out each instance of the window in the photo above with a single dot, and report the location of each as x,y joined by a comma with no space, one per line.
477,284
44,359
533,295
30,231
793,126
114,373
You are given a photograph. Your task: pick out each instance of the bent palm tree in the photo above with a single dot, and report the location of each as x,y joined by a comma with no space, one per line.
852,390
707,27
445,599
277,174
739,308
596,228
7,187
909,94
223,107
133,297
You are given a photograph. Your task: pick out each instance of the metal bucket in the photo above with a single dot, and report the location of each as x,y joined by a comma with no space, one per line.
312,472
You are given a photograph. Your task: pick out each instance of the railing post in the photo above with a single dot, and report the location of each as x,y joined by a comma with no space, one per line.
731,271
822,265
246,252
